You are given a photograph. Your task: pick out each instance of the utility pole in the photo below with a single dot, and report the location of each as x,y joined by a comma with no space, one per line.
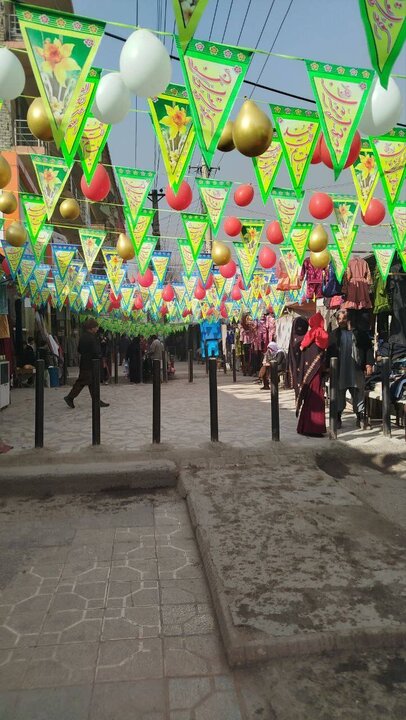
155,196
209,236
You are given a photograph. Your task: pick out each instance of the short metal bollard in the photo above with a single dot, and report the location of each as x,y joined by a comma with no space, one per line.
65,360
274,380
115,361
39,403
234,360
207,359
333,408
96,402
386,397
156,401
214,420
164,366
190,364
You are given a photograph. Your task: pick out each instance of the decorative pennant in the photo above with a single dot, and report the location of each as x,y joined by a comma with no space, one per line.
40,244
300,239
292,266
390,155
385,28
344,242
298,131
204,264
81,111
213,74
61,47
61,291
145,252
195,228
341,94
62,257
186,255
402,256
219,284
80,279
35,213
176,135
40,274
190,284
214,195
345,210
160,262
338,265
251,234
365,175
84,295
127,298
91,241
134,185
74,269
114,271
287,205
188,15
267,166
25,271
384,254
399,218
52,174
92,142
247,261
98,286
180,292
139,230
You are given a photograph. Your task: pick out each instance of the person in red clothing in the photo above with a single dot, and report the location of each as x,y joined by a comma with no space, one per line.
311,404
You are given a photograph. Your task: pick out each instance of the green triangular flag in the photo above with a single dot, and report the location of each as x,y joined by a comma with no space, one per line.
300,239
98,283
385,28
14,256
251,231
127,298
35,213
384,255
344,242
338,265
91,241
145,252
204,264
92,143
341,94
345,210
291,264
195,228
399,219
190,284
114,271
160,262
62,257
187,16
287,206
390,155
365,175
298,131
214,195
139,230
41,274
213,74
52,174
134,185
25,271
81,111
40,244
247,261
267,166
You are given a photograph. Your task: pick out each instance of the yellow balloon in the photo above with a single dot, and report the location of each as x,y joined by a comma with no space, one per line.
220,253
69,209
125,247
8,202
5,172
252,130
38,122
226,142
318,239
16,234
320,259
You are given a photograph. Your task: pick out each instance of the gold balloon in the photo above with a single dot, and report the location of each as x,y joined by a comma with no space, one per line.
252,130
220,253
125,247
320,259
69,209
5,172
16,234
38,122
318,239
8,202
226,142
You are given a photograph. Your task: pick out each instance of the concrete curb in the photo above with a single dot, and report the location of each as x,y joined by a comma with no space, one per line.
246,646
89,477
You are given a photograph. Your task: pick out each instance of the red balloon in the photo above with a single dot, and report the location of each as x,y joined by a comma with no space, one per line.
5,266
316,159
200,292
266,257
182,199
223,311
89,305
99,186
354,150
274,233
240,283
138,303
232,226
147,279
228,270
320,206
209,283
244,195
168,293
325,154
185,313
375,213
236,293
210,311
163,310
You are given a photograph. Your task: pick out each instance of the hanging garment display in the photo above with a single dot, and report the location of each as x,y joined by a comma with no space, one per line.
314,280
357,284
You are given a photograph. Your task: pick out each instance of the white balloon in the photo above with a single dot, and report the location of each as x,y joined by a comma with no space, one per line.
382,111
12,75
145,64
112,101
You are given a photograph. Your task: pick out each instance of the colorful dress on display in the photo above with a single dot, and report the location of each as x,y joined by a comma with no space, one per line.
314,280
356,285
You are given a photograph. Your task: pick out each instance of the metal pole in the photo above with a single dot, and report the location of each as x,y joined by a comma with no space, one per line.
224,364
96,402
65,359
234,366
386,397
274,378
156,401
190,363
207,358
164,367
115,349
141,361
214,421
39,403
333,418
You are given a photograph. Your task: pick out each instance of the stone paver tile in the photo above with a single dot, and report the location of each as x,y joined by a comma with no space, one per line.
178,591
178,555
63,703
86,571
46,570
21,629
187,619
133,622
139,700
194,655
201,698
13,667
131,594
49,555
169,569
133,570
133,550
84,553
69,626
5,611
67,601
58,665
121,660
136,534
8,702
36,603
86,536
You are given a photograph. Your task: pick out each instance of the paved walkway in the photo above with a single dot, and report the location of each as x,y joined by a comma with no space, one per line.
244,417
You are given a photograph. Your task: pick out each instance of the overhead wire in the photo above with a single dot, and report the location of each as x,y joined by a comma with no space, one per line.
273,44
243,22
214,17
228,17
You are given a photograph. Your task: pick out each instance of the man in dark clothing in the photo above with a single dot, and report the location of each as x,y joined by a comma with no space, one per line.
353,348
29,353
89,350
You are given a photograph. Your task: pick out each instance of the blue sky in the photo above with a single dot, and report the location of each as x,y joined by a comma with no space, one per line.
328,30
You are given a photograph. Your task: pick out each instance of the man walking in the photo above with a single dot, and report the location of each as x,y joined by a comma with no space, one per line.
89,350
353,348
